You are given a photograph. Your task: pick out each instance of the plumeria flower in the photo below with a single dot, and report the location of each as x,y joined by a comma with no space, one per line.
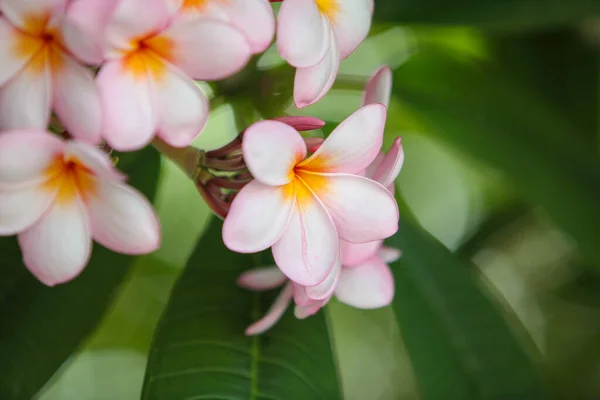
314,35
146,83
43,48
301,206
59,195
254,18
368,286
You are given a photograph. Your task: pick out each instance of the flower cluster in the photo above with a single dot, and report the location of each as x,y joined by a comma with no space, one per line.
78,77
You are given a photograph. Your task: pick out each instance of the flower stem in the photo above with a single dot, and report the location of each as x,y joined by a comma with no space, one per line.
186,158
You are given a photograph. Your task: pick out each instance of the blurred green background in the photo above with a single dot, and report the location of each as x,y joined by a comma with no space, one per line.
497,104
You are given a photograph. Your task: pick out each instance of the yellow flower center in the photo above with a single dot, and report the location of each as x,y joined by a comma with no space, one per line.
149,55
330,8
69,179
40,44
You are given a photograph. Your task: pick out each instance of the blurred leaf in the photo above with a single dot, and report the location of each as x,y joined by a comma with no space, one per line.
504,14
480,111
200,351
40,327
460,344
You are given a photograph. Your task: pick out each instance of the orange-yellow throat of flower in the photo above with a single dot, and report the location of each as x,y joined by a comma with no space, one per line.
330,8
41,44
148,56
69,179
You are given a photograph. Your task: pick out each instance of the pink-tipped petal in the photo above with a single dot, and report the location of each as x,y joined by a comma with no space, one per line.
25,155
77,101
261,279
354,254
370,285
313,143
58,246
122,219
128,110
19,12
274,314
303,312
94,159
12,62
312,83
352,24
390,167
300,123
379,87
182,108
308,249
326,288
134,19
255,19
362,209
207,49
271,150
25,100
258,216
300,296
353,145
303,34
389,255
19,209
370,171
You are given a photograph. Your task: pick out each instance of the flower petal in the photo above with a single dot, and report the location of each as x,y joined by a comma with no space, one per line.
309,247
26,99
25,155
260,279
207,49
13,61
367,286
58,246
94,159
77,101
122,219
379,87
258,216
370,171
255,19
182,108
29,15
326,288
390,166
354,254
352,24
312,83
303,34
362,209
274,314
128,111
389,255
19,209
303,312
353,145
133,19
271,150
301,123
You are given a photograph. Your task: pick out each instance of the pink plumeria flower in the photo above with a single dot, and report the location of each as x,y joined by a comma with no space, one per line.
43,48
59,195
314,35
303,207
378,89
254,18
146,84
367,286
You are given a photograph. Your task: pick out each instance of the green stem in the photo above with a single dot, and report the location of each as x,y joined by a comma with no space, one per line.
186,158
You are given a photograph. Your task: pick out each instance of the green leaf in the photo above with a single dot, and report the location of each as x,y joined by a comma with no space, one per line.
502,14
40,327
200,351
460,345
477,109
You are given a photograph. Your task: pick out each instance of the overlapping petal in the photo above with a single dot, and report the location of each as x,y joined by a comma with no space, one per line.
260,279
30,15
13,61
389,254
19,209
274,314
258,217
303,34
271,150
351,24
94,159
379,87
390,166
326,288
353,145
354,254
134,19
58,246
370,285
